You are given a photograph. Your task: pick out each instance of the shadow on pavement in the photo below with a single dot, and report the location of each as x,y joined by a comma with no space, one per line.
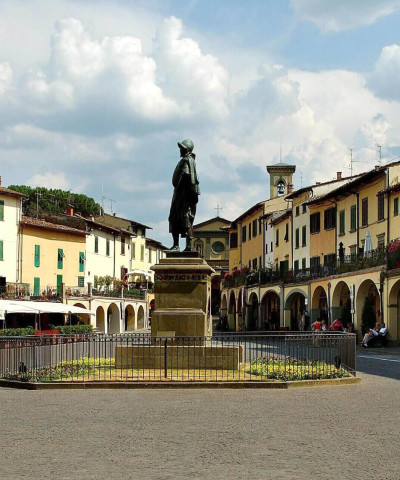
384,362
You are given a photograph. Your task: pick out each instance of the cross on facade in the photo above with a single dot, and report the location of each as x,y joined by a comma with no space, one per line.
218,208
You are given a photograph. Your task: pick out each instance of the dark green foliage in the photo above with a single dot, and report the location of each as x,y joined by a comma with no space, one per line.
56,201
16,332
72,329
346,313
368,315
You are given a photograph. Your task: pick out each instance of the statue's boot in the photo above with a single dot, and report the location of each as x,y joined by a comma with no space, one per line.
175,246
188,244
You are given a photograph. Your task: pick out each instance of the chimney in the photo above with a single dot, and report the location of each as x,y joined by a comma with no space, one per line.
338,175
317,183
0,181
290,188
70,210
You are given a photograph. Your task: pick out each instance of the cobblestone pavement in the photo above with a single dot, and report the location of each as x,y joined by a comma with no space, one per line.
347,432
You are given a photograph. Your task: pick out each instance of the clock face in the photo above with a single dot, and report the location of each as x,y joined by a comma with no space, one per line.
280,186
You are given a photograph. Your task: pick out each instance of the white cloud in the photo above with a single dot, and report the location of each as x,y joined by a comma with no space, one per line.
384,80
5,77
49,180
336,15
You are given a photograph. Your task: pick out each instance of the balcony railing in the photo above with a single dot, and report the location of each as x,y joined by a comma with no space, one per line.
25,291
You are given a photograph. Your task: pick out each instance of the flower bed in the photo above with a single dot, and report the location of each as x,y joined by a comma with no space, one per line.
293,369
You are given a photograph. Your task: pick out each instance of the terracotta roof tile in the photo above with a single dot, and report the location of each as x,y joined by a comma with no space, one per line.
38,223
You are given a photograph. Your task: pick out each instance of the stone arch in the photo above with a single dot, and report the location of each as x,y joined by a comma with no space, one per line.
295,305
319,304
100,325
140,318
270,311
113,319
367,292
83,317
232,312
340,300
199,247
393,316
130,318
252,316
239,310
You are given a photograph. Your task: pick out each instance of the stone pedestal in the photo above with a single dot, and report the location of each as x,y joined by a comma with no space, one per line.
182,297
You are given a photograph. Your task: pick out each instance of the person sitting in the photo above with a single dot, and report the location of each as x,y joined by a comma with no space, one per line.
337,325
382,335
349,328
371,336
324,327
316,326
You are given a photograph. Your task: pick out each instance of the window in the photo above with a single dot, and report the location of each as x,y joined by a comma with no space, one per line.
1,210
341,222
364,212
150,255
81,261
1,250
133,251
296,265
329,218
122,245
303,235
277,237
396,206
243,233
353,250
381,240
81,281
36,287
304,208
297,238
286,233
233,240
381,207
95,281
107,247
255,228
353,218
37,256
249,231
59,284
266,225
60,258
254,264
329,259
315,222
303,263
297,210
272,247
96,244
142,253
315,262
199,247
259,226
218,247
266,248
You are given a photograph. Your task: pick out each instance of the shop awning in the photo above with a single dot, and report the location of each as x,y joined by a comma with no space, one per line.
29,306
140,272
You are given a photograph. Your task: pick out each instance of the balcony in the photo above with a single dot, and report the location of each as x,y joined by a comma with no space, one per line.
24,291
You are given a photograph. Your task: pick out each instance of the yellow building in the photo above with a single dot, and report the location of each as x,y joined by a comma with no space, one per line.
50,255
283,241
211,240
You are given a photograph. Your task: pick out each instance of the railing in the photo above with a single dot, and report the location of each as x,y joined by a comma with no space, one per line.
25,291
139,357
74,291
128,293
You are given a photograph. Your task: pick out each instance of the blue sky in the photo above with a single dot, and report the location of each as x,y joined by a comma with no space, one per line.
94,95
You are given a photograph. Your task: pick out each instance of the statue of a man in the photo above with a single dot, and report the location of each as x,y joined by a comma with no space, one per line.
185,197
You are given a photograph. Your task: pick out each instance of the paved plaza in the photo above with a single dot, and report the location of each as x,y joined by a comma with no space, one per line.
347,432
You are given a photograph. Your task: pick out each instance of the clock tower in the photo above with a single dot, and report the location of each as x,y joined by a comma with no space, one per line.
280,179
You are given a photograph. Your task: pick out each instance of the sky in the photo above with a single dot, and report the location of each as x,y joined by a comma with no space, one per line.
95,95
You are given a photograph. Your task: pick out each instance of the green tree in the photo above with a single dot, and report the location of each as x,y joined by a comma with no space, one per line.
55,200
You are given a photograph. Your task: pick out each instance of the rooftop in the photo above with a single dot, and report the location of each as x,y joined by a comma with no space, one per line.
38,223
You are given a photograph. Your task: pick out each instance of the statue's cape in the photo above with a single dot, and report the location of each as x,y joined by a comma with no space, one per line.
194,180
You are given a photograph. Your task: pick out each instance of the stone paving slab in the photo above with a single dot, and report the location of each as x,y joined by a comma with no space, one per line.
351,432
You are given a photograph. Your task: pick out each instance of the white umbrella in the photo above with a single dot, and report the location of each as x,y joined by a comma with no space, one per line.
367,244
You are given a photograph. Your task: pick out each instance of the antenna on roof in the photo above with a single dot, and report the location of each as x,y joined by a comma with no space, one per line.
379,147
103,197
352,161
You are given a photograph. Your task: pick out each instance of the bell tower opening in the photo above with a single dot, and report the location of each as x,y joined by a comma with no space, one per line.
280,179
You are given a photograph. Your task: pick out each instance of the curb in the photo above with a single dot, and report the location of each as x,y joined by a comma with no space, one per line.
154,385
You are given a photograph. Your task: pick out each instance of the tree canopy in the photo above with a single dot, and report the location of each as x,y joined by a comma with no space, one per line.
55,200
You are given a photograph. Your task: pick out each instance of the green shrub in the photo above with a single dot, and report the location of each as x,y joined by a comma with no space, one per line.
16,332
74,329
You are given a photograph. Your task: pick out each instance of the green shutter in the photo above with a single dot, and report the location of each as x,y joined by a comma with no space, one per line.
341,223
396,206
37,255
60,257
1,209
36,287
1,249
81,281
81,261
96,244
59,282
108,247
133,251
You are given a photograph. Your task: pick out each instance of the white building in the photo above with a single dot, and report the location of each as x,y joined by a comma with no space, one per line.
10,215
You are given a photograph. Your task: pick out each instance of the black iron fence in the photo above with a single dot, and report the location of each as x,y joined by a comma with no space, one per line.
140,357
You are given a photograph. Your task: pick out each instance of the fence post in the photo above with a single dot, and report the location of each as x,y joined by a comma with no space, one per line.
165,358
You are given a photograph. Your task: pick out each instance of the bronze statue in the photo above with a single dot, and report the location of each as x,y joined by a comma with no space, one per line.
185,197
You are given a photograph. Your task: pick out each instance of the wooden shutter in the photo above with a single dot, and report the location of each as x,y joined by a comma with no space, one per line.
353,218
37,255
1,249
81,261
1,210
364,214
60,257
36,286
303,235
